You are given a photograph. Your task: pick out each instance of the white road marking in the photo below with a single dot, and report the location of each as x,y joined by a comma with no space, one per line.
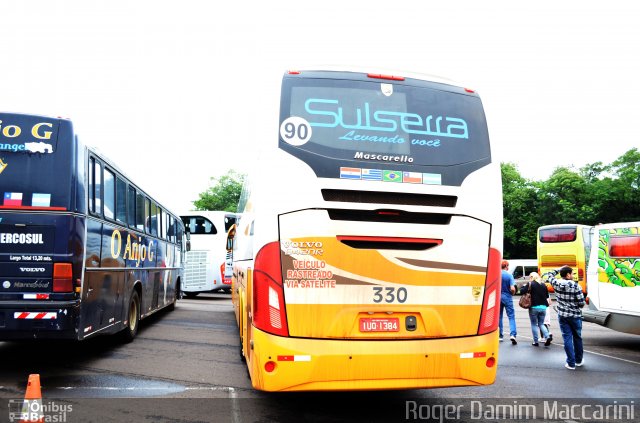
235,410
147,388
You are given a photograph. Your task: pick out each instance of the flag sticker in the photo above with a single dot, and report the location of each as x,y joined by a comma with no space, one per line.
41,200
372,174
412,177
350,173
12,199
432,178
392,176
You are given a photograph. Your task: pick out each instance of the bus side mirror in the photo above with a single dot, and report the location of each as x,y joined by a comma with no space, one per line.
188,243
230,236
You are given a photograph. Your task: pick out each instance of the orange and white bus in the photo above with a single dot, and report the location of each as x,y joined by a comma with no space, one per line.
565,245
367,255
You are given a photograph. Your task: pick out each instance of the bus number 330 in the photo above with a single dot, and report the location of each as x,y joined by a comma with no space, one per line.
389,294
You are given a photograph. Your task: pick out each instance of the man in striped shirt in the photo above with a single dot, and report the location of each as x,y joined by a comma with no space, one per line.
570,302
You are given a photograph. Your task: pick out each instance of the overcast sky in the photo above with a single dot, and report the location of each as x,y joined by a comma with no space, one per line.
154,84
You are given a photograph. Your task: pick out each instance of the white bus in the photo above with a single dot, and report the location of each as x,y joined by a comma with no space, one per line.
205,262
367,255
613,277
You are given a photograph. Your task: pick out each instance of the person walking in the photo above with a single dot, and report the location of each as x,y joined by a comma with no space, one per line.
538,309
570,301
547,317
506,302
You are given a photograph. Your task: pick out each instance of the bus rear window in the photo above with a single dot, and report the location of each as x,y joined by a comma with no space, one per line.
624,246
558,235
383,122
199,225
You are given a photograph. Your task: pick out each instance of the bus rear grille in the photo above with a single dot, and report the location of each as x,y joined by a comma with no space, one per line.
195,275
558,260
379,197
195,269
197,256
389,216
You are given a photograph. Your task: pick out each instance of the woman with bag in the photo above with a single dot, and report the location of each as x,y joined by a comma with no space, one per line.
538,308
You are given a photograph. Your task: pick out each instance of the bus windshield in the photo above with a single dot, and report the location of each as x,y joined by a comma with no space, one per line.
416,123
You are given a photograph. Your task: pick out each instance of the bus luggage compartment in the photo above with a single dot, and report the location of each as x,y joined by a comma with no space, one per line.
384,278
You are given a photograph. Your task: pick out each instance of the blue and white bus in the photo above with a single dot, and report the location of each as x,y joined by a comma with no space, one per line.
83,250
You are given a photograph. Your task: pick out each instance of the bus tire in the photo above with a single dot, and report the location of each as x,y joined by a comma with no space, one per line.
176,295
133,318
191,294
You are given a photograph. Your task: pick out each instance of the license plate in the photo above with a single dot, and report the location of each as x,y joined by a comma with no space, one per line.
375,324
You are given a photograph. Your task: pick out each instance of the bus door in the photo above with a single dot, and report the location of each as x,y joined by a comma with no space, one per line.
366,274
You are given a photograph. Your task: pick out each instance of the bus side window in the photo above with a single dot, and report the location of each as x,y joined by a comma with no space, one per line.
154,219
131,207
171,235
165,226
95,186
179,236
147,215
109,194
140,211
121,201
98,188
161,223
92,184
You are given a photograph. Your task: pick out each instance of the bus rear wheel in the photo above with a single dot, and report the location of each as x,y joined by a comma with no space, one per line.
133,318
176,295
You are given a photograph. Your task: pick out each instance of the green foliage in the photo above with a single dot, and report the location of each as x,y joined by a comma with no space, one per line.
520,215
596,193
223,194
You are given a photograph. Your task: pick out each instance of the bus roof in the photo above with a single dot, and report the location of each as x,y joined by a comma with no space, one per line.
379,71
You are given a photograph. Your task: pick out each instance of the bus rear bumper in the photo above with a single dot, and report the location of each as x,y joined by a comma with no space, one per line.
325,364
38,320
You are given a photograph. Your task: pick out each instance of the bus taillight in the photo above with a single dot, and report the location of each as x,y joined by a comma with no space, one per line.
62,277
269,312
491,303
225,280
389,77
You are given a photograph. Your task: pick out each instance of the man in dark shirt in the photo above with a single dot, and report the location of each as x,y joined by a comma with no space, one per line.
570,301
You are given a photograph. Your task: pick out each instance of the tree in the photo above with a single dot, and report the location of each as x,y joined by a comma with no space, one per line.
519,198
627,170
597,193
223,194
